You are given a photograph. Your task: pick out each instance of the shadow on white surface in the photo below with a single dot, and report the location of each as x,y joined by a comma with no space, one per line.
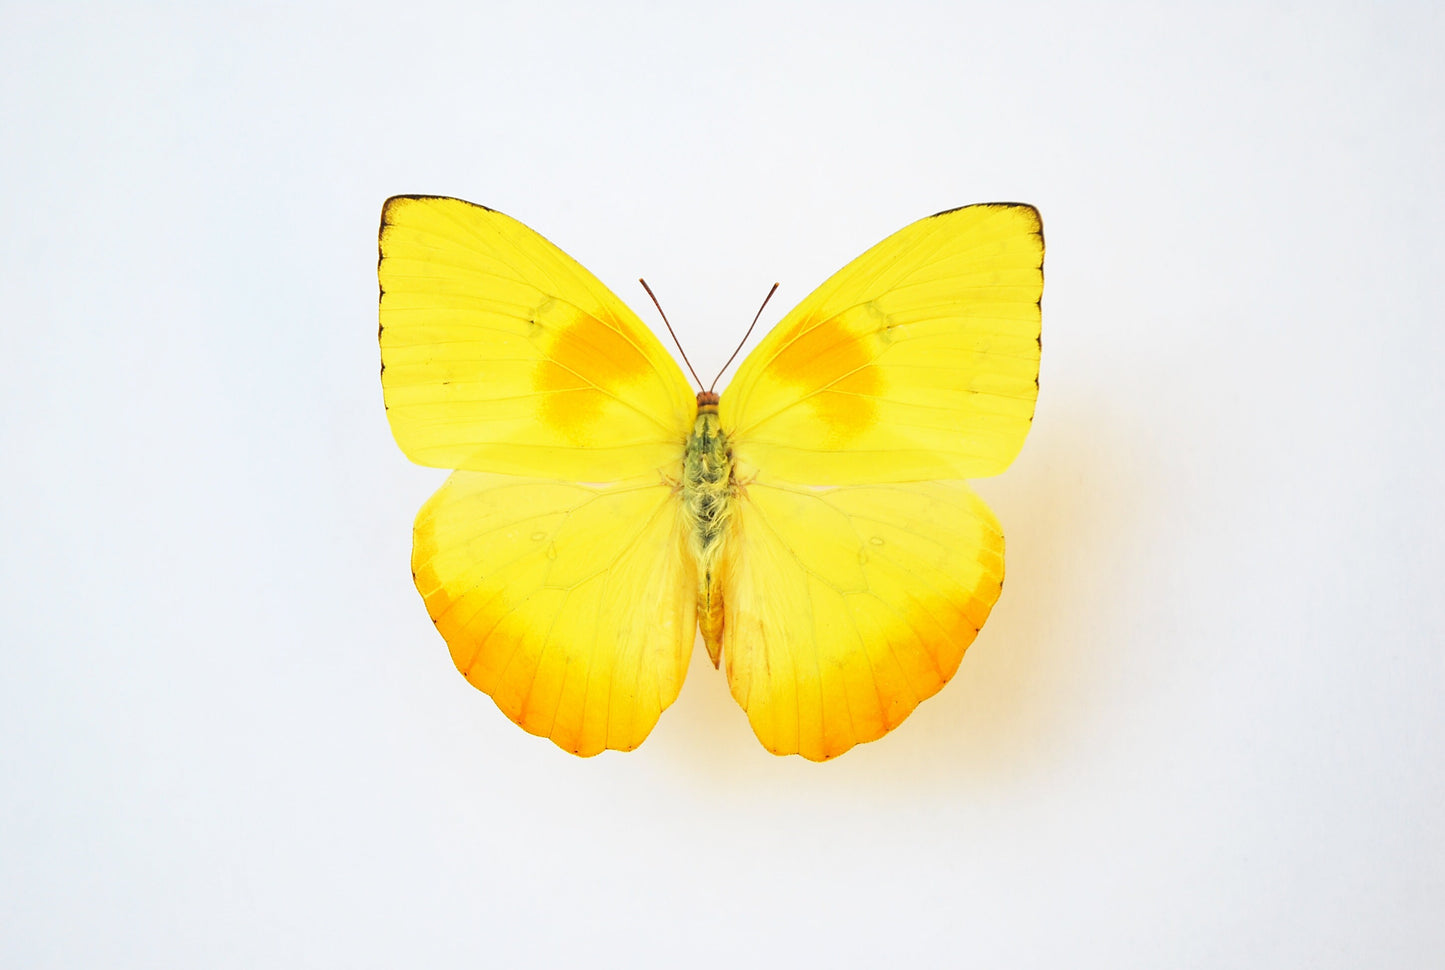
1069,506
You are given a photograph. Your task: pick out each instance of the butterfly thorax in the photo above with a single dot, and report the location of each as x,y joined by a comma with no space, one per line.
707,501
707,484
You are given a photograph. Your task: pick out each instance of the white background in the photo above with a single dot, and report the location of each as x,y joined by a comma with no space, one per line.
1203,727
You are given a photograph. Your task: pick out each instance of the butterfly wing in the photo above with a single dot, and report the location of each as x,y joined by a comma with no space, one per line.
846,606
919,360
859,567
500,353
572,605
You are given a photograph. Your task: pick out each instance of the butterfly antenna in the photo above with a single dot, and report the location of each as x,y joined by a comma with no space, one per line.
670,330
744,340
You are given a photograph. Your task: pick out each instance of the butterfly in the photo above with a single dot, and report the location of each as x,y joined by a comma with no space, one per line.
812,520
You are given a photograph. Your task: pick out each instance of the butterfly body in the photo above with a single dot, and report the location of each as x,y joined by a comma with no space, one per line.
709,493
811,521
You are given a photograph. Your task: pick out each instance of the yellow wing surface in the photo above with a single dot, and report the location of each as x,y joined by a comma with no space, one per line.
919,360
859,568
500,353
571,605
845,606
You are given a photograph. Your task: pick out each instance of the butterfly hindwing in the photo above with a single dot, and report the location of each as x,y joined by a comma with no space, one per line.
846,606
571,605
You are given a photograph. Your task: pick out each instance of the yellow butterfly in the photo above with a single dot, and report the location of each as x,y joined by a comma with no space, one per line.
812,520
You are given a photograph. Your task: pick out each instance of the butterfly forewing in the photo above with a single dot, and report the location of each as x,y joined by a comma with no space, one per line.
500,353
916,361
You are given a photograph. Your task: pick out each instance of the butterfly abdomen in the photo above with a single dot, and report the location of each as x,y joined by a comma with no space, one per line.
707,500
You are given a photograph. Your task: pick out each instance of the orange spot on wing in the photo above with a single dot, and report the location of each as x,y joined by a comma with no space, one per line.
597,351
585,360
835,364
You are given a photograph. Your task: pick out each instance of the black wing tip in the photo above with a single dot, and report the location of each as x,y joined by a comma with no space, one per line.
990,205
1033,210
422,197
387,220
1038,229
